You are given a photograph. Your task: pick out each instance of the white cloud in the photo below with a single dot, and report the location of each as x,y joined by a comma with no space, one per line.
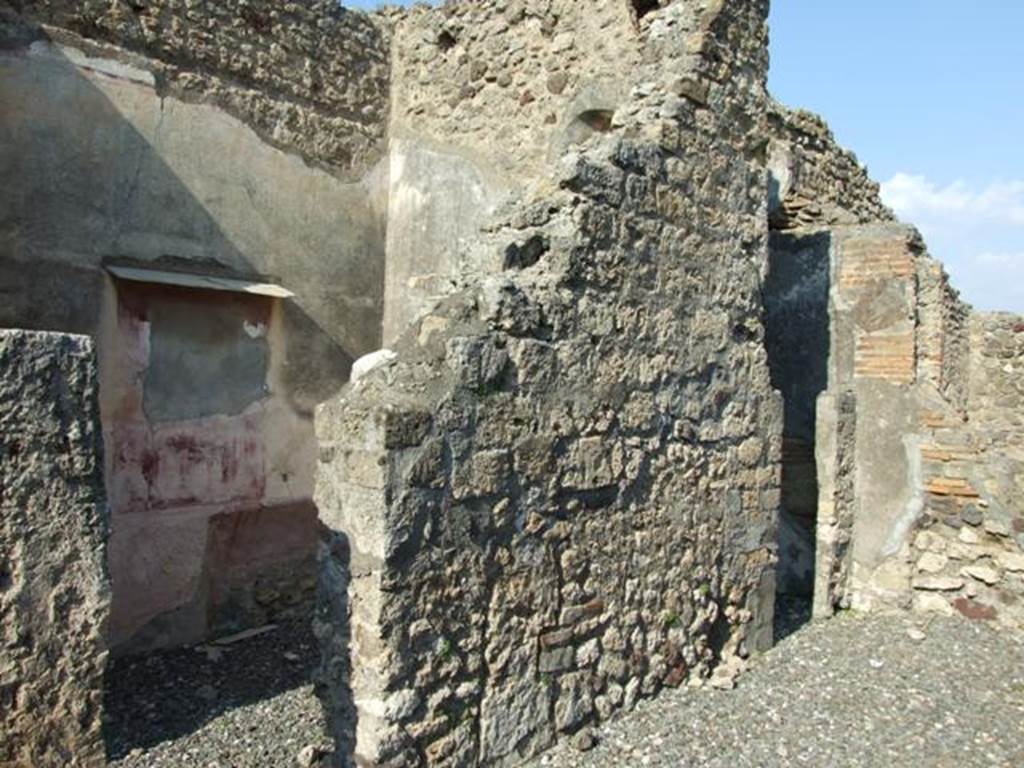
976,230
1000,259
911,196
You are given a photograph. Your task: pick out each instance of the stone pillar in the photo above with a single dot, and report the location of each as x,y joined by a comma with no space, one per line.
874,313
358,451
54,589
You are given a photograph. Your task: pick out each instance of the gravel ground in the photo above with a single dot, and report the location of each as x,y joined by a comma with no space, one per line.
241,705
879,691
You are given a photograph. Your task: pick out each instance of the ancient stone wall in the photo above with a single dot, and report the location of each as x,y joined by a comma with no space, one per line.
873,358
817,191
904,482
311,77
944,334
815,181
996,354
503,81
924,393
969,555
486,95
241,140
54,590
560,497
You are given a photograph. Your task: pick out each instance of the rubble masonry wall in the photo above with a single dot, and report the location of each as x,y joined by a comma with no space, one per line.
54,588
485,98
561,495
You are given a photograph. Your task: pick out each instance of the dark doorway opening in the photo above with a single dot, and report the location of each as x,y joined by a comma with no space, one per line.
797,339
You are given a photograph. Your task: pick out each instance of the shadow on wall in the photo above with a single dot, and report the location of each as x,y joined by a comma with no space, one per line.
797,339
99,169
333,630
86,187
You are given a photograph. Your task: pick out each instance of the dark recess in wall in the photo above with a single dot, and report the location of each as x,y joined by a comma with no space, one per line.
643,7
523,255
597,120
446,40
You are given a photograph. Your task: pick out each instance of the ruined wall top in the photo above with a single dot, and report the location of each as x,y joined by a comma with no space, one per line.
502,79
518,82
556,497
515,81
816,182
310,76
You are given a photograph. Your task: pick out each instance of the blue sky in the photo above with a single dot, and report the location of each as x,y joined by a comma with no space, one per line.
930,95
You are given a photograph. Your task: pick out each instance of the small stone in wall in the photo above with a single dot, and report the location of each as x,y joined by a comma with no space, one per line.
938,583
930,542
972,515
575,704
693,89
974,610
477,70
1011,561
932,563
431,326
982,573
960,551
557,82
930,602
967,536
997,527
585,740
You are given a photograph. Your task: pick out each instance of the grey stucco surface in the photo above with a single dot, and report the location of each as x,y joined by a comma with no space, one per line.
110,170
888,495
873,301
439,198
204,361
103,166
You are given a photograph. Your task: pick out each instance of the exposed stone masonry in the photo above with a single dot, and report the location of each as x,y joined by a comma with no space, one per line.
499,77
54,591
311,76
816,182
969,555
546,521
923,395
655,344
917,472
486,97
